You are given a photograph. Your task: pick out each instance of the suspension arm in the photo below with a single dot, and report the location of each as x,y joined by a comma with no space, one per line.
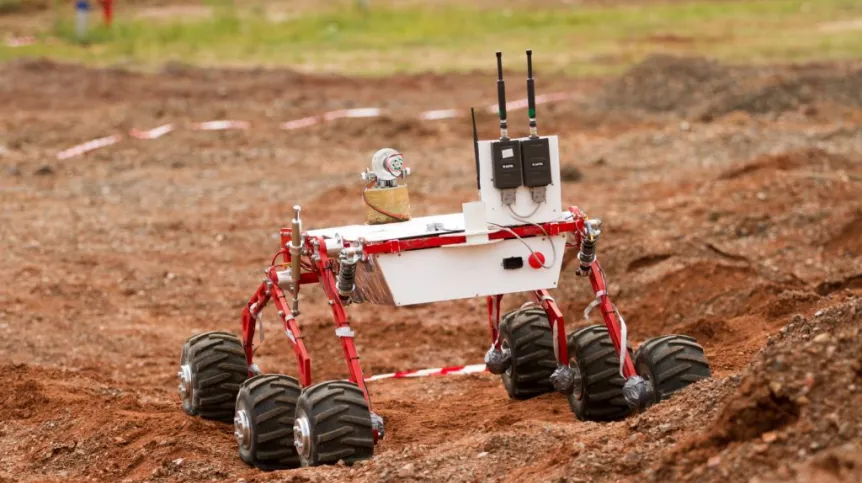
609,314
558,325
324,266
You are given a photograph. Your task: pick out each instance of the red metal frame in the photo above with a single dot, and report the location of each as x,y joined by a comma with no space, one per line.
321,266
318,267
398,246
543,298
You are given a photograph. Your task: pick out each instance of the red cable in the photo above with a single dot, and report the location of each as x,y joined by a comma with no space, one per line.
380,210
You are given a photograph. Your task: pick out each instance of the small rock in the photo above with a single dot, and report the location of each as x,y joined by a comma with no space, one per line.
803,401
178,461
406,470
760,448
482,454
665,428
775,386
714,461
685,126
769,436
818,313
44,170
822,338
761,195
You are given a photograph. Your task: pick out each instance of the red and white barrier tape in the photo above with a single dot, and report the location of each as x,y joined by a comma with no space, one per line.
523,103
154,133
361,112
221,125
300,123
13,41
89,146
438,371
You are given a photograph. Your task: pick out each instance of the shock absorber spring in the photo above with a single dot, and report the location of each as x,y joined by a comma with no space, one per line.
587,254
346,276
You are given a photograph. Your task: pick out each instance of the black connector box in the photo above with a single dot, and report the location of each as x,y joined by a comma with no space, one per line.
507,164
536,156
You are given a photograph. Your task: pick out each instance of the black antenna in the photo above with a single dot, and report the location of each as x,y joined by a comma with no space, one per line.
531,97
476,147
501,98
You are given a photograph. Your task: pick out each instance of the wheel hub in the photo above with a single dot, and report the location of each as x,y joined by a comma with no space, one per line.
242,428
186,386
302,436
506,353
577,379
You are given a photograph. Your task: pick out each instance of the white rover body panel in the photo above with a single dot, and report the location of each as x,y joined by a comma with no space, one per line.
474,268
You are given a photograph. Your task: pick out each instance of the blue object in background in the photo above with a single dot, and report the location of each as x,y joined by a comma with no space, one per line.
82,14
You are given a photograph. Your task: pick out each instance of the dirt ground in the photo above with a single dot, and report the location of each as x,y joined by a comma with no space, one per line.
732,206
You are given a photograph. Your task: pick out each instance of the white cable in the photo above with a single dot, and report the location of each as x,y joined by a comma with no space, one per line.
623,328
623,342
532,252
520,217
553,247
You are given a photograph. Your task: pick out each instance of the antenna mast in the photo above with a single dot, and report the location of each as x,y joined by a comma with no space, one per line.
531,97
501,98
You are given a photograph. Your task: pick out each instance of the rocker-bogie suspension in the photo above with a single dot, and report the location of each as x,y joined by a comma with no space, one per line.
319,267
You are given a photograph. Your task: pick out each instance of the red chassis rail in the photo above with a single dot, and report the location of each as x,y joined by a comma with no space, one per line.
319,267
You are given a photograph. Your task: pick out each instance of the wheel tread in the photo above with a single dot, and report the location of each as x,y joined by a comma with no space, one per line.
599,364
674,361
341,422
272,402
531,343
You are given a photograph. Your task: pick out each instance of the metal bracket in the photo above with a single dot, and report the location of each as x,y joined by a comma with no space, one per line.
344,331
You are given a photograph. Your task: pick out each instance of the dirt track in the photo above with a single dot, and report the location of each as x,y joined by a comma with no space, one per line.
732,202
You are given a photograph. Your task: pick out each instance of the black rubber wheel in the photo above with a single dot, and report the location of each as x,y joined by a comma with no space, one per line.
333,423
598,393
212,367
526,333
263,424
671,362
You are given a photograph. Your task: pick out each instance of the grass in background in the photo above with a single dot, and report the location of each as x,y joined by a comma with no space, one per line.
456,37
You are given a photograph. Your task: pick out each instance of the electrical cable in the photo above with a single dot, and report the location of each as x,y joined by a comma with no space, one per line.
380,210
532,252
520,217
280,252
